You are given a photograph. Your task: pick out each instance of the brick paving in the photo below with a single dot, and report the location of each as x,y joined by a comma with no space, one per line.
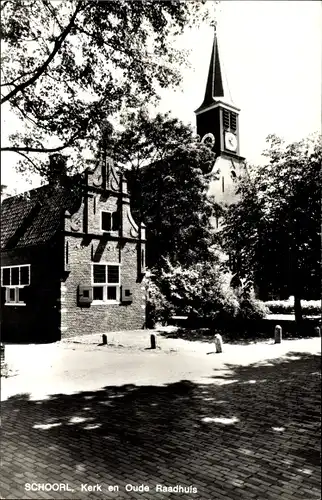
251,432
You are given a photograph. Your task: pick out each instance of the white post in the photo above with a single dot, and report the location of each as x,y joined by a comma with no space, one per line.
218,342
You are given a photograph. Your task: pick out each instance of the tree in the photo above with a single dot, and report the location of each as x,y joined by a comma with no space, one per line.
67,65
168,186
169,172
201,291
275,228
145,139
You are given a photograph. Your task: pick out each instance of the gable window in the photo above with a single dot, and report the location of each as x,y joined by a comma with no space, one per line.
14,279
106,283
110,221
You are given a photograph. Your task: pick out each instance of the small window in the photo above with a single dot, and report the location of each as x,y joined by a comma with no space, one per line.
111,293
14,276
24,275
98,293
99,273
110,221
106,221
113,274
15,279
106,282
6,276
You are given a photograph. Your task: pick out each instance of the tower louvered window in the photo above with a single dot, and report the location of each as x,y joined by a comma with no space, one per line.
226,119
230,120
233,121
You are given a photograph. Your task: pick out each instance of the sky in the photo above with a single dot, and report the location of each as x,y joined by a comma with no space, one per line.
270,52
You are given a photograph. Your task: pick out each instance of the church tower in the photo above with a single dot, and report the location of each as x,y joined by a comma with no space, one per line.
218,127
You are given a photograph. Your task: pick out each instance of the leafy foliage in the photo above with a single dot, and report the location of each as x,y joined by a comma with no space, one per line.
67,66
201,290
170,194
145,139
275,229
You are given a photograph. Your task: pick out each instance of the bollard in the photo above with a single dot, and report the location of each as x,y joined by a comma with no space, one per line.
317,331
218,342
2,353
104,339
153,343
278,334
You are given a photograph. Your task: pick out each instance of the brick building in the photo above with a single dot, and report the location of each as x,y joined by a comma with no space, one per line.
72,257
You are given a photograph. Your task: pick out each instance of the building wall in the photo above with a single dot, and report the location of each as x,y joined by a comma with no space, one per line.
39,319
86,244
96,318
223,188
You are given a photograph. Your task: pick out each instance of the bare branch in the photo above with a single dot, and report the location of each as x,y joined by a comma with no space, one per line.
58,43
27,158
7,84
52,12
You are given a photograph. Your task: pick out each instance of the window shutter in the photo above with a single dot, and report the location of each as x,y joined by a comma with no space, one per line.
115,221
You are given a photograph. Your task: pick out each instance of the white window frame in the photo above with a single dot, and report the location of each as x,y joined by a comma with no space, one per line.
16,288
106,285
111,216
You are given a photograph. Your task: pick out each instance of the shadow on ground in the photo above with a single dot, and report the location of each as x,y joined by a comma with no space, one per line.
250,432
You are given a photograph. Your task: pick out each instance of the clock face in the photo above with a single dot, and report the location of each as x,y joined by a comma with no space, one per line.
230,141
208,140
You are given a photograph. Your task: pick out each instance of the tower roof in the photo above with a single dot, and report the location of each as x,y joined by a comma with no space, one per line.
216,87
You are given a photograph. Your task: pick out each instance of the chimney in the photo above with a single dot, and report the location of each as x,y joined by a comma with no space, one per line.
57,172
4,192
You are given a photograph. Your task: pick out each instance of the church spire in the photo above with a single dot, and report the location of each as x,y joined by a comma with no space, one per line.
216,90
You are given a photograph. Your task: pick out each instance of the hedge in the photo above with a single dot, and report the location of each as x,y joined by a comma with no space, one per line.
309,307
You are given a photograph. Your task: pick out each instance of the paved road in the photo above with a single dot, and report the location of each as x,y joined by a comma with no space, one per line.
244,424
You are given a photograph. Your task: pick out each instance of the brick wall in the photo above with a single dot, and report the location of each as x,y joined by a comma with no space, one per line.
88,244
